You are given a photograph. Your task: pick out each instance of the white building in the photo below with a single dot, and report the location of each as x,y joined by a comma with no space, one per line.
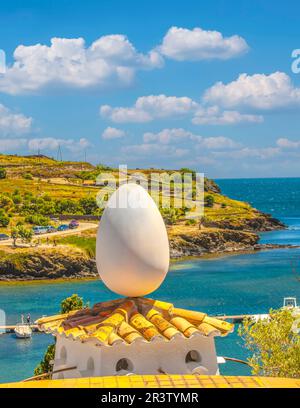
134,336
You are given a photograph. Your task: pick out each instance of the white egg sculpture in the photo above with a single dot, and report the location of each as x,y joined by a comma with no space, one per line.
132,250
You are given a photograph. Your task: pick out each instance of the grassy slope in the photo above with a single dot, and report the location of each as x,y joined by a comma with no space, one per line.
64,180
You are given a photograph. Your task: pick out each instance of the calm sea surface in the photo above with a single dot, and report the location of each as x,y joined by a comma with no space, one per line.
248,283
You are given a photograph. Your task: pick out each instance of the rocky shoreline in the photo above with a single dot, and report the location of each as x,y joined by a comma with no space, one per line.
73,263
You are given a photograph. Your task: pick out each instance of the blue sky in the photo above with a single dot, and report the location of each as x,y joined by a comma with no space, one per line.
170,84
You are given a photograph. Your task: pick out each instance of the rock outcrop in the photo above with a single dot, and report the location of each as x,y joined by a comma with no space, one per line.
42,264
212,241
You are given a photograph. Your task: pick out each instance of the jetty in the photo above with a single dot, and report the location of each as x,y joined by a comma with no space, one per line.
239,318
11,328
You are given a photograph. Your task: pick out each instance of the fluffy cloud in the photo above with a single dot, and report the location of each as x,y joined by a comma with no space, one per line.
285,143
148,108
213,115
182,44
149,149
252,153
167,136
50,143
177,142
13,123
112,133
256,91
110,60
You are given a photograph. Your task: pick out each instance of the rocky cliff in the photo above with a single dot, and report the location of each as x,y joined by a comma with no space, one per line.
212,241
43,264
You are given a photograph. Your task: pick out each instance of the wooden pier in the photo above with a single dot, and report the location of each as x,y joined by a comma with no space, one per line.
11,329
239,318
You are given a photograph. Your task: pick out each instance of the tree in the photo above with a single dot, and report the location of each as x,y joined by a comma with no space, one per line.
14,235
2,173
274,343
25,234
73,302
4,220
209,201
89,205
45,365
21,232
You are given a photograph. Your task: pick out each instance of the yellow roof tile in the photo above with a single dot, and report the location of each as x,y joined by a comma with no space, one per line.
129,319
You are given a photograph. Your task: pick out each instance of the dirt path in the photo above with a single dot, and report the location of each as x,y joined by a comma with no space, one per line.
83,226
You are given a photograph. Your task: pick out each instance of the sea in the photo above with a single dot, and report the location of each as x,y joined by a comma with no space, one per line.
231,284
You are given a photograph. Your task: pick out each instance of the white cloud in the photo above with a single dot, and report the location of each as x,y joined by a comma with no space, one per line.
167,136
113,133
178,143
110,60
149,149
152,107
182,44
214,116
248,152
285,143
50,143
13,123
257,91
218,142
12,144
148,108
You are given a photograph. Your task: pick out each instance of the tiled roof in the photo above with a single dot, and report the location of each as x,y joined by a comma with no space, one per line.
128,320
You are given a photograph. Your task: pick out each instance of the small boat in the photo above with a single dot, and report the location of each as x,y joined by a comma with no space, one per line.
290,303
23,331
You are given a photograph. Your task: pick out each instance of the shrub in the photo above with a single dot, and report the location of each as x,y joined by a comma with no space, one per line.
191,221
45,366
88,205
37,220
4,220
2,173
275,344
209,201
25,234
73,302
28,176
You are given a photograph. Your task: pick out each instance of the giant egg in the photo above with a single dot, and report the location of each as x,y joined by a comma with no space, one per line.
132,251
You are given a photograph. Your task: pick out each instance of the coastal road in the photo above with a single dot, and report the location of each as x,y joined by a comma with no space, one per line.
83,226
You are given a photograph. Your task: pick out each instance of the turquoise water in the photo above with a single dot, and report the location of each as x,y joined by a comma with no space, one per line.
245,283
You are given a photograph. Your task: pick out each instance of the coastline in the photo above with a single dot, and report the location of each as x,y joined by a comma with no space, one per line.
173,261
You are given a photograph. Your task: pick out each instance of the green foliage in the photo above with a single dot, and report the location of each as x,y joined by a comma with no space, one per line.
2,173
187,170
88,244
21,232
88,205
44,366
6,202
274,344
28,176
4,219
25,234
209,201
37,220
73,302
191,221
170,215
